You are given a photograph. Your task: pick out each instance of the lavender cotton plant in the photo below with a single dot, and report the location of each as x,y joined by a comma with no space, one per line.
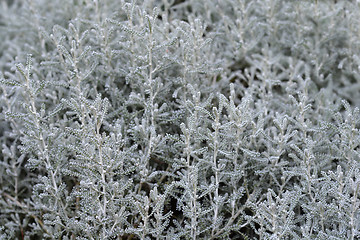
179,119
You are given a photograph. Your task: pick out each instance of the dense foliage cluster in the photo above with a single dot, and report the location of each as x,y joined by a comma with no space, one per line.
179,119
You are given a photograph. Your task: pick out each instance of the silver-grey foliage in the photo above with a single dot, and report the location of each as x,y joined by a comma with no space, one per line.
179,119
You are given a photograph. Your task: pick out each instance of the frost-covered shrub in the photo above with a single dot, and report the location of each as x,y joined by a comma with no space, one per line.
179,119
